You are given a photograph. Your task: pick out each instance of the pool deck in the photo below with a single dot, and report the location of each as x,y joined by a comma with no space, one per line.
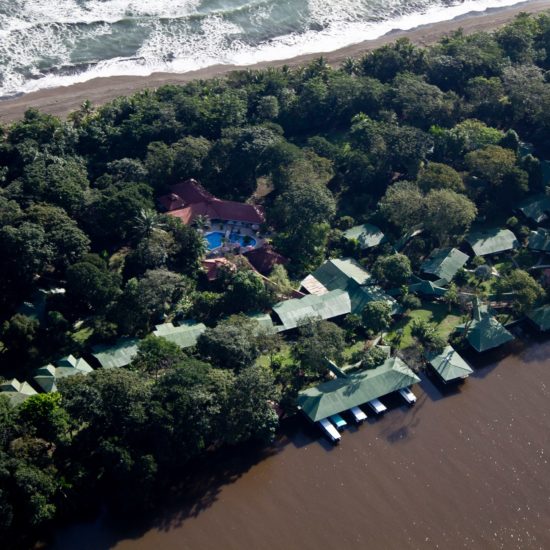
229,228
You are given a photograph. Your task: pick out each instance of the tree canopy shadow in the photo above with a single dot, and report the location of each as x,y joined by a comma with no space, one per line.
193,492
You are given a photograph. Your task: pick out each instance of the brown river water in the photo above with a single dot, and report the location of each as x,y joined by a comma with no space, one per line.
462,469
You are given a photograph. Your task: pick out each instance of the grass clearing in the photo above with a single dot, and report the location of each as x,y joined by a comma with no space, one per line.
353,349
431,312
83,334
284,356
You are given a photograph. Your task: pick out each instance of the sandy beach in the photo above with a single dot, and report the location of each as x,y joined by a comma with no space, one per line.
63,100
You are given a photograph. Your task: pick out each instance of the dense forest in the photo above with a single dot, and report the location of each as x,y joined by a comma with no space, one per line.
404,137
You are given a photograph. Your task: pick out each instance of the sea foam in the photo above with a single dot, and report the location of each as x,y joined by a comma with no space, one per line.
44,45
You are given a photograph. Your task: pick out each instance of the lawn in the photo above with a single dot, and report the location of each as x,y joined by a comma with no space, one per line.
283,356
433,312
83,334
350,351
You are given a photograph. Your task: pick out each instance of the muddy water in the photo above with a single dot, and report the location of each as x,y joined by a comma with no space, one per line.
465,469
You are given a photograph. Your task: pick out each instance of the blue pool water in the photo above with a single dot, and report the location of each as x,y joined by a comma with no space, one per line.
214,239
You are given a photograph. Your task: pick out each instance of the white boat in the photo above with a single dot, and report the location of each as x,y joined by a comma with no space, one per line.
330,431
408,395
358,414
377,406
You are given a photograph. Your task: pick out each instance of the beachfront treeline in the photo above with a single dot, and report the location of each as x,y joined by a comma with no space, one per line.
404,137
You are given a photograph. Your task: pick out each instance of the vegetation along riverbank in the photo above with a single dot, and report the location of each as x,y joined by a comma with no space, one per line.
183,267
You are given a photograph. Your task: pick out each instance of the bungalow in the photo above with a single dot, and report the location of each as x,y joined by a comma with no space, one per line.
491,241
16,391
540,317
428,288
337,273
367,235
212,267
539,240
120,354
346,274
184,335
297,311
443,264
188,200
265,323
46,377
449,365
264,259
536,208
358,388
484,332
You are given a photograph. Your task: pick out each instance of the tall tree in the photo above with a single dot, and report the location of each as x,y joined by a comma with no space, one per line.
232,343
317,342
251,414
393,270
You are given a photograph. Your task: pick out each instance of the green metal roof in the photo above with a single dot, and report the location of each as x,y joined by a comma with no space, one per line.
366,235
428,288
536,208
491,241
449,364
295,312
356,389
337,273
346,274
539,240
184,335
362,295
72,362
541,317
401,242
484,331
46,377
444,263
488,334
16,391
117,355
265,323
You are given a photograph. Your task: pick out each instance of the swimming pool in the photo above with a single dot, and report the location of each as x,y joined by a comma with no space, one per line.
214,239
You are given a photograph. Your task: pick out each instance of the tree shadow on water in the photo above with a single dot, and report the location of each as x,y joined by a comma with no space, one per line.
194,491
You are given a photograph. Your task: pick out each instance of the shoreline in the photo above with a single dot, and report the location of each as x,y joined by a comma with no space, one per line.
61,101
474,450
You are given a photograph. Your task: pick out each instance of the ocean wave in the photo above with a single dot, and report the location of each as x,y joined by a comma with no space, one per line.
22,14
125,37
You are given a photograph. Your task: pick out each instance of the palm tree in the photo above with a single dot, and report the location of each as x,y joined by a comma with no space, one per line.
350,66
201,222
318,67
84,112
146,222
451,297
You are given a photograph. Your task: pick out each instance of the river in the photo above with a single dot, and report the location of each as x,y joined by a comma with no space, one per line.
462,469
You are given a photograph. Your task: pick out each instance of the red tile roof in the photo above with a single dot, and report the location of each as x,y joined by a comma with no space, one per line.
212,267
264,259
194,200
171,202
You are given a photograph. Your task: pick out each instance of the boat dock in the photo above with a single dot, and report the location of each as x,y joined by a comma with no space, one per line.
327,404
330,431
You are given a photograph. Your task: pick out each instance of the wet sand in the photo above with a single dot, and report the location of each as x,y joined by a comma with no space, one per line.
63,100
465,469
